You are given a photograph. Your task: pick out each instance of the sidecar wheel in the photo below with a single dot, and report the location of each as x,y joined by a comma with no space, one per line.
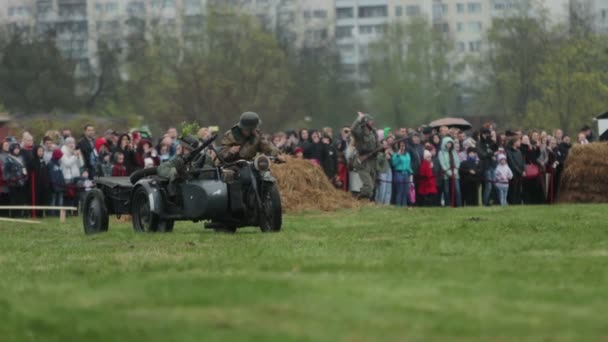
95,214
144,220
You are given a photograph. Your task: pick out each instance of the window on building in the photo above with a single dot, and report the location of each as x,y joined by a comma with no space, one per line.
460,8
346,48
412,10
192,4
439,10
306,14
69,10
475,46
371,29
459,27
321,14
398,11
372,11
316,35
44,7
604,14
366,29
287,17
136,8
344,31
474,26
461,47
345,13
441,27
161,4
474,7
19,11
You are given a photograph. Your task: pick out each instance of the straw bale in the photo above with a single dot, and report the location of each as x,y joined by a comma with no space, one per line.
585,175
304,186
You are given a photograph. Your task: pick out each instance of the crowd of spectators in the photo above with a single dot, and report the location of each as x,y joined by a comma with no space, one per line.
445,166
424,167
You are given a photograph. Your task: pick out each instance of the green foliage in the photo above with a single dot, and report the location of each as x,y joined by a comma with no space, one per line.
189,128
517,45
412,80
573,84
227,67
380,274
35,77
319,90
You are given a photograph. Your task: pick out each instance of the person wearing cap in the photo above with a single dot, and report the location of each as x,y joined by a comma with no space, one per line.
366,144
244,140
470,177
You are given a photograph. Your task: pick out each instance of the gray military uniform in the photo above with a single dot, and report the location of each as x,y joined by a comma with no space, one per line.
366,142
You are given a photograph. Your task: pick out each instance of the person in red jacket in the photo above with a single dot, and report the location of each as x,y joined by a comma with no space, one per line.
145,150
427,186
119,169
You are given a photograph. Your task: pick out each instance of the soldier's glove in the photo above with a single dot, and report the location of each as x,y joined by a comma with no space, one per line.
228,176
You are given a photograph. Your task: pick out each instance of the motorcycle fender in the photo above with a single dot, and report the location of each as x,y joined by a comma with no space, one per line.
154,197
268,177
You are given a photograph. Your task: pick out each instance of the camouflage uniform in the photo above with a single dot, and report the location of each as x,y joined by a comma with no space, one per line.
172,169
250,146
366,141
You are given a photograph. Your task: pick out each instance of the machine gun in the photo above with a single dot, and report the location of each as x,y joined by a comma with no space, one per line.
365,157
195,156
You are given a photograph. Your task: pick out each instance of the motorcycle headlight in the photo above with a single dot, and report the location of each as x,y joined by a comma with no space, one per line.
261,163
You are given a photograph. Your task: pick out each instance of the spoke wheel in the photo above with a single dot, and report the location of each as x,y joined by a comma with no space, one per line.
271,215
95,214
144,220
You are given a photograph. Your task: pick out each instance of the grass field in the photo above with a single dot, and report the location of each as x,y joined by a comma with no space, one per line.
527,273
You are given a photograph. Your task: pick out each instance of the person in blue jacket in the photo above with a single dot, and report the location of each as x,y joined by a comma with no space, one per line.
402,174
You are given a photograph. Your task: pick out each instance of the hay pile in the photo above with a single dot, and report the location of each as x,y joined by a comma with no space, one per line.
304,186
585,175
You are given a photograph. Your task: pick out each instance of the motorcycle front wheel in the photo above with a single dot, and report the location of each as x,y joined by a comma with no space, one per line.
271,215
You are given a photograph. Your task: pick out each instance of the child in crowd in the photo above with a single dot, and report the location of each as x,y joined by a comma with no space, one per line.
427,185
503,176
470,178
299,153
119,169
104,166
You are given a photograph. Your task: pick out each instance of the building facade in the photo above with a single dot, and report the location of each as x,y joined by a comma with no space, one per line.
361,22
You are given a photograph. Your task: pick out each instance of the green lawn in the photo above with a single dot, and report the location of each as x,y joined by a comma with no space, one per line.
526,273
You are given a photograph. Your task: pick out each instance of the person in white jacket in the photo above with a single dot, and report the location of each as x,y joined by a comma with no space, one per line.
71,162
503,176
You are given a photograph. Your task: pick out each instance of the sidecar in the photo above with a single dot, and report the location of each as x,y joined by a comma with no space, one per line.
203,196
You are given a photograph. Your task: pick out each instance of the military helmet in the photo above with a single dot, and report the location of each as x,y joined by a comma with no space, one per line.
249,120
190,142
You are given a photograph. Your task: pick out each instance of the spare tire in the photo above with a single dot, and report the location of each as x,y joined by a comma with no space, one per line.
139,174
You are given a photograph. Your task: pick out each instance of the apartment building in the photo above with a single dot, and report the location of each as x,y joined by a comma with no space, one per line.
593,11
467,21
361,22
80,24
